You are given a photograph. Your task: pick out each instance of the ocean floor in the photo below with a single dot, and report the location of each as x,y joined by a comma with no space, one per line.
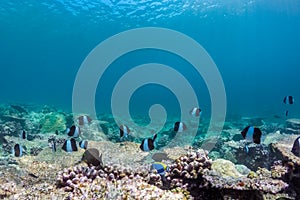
264,171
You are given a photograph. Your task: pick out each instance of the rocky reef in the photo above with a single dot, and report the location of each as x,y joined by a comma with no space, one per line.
191,176
110,182
52,122
293,126
265,171
290,163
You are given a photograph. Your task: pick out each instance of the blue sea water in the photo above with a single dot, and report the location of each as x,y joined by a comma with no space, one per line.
254,43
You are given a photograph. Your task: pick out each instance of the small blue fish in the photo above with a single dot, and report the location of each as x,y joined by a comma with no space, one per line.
288,100
17,150
83,144
53,146
148,144
74,131
124,131
70,145
179,127
23,135
84,120
196,112
161,168
252,134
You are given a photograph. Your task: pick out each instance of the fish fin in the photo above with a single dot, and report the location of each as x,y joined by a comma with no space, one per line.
53,146
121,132
64,147
257,136
154,137
244,131
100,159
247,149
142,145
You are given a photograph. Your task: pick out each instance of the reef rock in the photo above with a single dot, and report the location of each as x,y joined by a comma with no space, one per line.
291,169
266,185
114,152
273,137
52,122
293,123
187,171
242,169
225,168
219,179
7,189
292,131
293,126
258,156
176,152
257,121
283,150
110,182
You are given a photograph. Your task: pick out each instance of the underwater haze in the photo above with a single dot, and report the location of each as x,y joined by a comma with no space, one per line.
255,44
145,99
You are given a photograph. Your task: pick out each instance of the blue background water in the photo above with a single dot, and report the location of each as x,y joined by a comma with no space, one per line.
255,45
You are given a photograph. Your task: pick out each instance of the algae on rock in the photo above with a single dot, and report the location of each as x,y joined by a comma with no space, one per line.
52,122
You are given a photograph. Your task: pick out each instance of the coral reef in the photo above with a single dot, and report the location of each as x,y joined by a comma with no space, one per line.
281,171
293,126
44,174
191,176
205,179
9,128
273,137
185,176
53,122
293,123
187,170
289,170
258,155
232,146
225,168
242,169
283,151
175,152
7,189
256,183
196,173
110,182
